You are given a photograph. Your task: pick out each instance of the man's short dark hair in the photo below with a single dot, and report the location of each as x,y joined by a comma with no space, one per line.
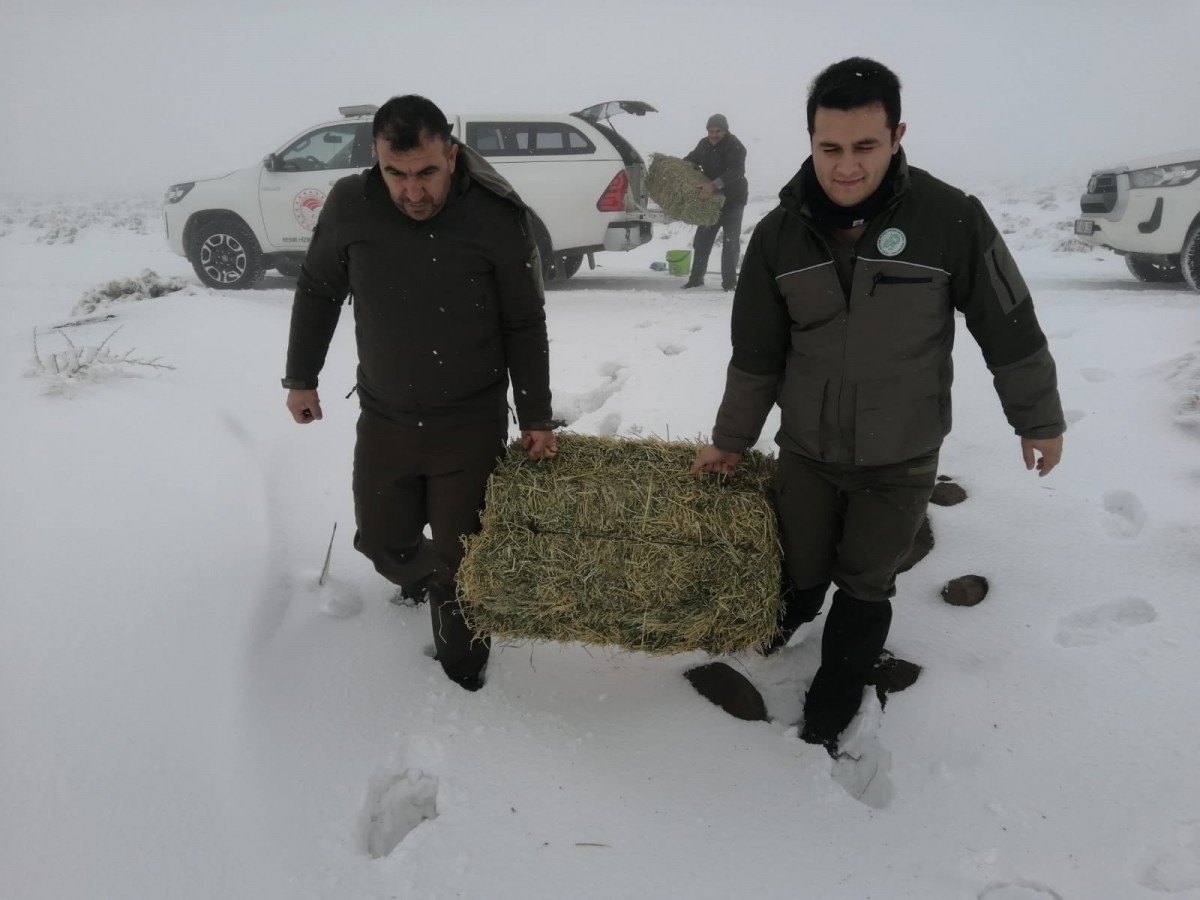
406,122
852,84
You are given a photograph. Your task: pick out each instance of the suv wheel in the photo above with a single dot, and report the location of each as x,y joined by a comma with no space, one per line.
1161,269
225,254
570,264
1189,259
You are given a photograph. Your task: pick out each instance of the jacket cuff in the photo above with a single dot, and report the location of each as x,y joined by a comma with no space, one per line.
1043,432
727,444
544,425
299,384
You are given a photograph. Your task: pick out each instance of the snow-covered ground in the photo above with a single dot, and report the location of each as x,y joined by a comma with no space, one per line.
185,714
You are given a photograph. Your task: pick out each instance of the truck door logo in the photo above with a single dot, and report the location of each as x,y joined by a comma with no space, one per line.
307,206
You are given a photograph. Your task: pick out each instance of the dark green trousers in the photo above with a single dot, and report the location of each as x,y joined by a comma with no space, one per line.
407,478
851,525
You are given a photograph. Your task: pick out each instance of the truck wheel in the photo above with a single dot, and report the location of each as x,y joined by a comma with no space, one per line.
570,264
542,237
1161,269
1189,259
225,254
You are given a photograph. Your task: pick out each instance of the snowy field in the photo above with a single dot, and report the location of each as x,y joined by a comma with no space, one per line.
185,714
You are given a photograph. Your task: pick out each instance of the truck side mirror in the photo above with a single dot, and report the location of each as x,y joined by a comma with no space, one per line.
271,162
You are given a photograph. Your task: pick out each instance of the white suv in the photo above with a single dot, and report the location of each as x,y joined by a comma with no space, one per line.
1148,210
584,182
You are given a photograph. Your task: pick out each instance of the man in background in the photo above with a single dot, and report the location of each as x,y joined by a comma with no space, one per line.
722,159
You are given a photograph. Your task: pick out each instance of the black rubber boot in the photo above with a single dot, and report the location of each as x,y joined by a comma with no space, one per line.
463,655
800,606
855,632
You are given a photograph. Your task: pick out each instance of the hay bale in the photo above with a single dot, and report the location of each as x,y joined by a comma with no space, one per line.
673,184
613,542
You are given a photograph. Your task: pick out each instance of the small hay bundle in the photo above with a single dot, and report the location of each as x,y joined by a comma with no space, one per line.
673,183
613,542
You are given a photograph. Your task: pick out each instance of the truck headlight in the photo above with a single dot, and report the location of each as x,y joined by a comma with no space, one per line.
1165,176
177,192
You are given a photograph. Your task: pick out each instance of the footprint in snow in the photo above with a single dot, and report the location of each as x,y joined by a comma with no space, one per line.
1126,516
334,596
609,425
670,349
1100,624
397,802
1095,375
575,406
1175,869
862,764
1019,890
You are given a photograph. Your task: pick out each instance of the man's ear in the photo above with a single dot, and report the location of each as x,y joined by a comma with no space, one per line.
896,135
452,155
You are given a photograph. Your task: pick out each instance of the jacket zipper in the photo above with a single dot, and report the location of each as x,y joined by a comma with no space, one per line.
876,223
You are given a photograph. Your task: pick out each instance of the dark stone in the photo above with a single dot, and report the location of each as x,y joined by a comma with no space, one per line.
947,493
892,675
728,689
920,548
967,590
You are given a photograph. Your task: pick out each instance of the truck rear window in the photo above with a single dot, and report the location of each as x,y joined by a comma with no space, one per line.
527,139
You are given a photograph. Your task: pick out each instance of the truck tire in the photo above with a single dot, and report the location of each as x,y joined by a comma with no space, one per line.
550,271
1159,269
225,254
1189,258
570,264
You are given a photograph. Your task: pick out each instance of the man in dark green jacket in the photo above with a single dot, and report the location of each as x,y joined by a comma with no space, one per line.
844,316
722,159
438,253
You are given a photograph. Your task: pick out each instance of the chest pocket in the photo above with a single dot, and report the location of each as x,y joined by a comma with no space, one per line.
881,278
814,297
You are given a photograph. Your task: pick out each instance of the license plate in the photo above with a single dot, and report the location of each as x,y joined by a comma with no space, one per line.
1084,226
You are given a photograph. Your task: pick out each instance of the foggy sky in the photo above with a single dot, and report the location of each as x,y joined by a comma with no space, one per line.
132,96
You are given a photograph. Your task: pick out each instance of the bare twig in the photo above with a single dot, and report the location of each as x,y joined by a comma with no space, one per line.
328,557
90,320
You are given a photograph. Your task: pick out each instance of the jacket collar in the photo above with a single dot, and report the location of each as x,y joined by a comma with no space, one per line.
471,169
792,196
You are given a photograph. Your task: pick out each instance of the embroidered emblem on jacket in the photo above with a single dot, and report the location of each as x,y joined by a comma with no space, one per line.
892,242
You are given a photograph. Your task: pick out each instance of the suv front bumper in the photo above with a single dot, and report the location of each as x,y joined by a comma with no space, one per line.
1152,221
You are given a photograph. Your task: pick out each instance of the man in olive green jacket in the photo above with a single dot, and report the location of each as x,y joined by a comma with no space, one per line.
844,316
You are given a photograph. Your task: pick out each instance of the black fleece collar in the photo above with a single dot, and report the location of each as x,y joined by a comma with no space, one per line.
804,194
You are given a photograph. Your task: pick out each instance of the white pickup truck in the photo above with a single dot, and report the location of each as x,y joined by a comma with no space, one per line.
584,182
1148,210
